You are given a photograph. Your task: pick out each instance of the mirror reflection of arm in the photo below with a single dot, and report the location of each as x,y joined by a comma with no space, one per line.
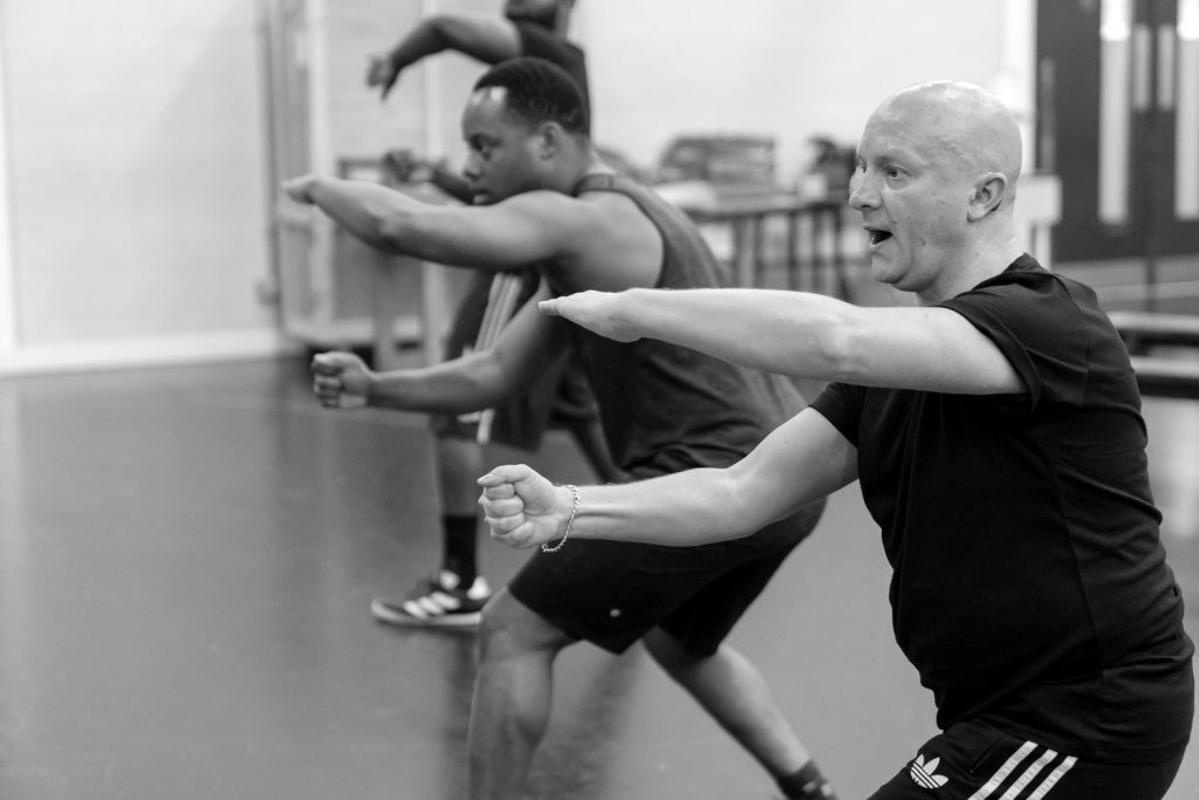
801,461
805,334
480,379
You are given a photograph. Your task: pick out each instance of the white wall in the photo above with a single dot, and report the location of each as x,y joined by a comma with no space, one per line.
135,194
133,222
790,68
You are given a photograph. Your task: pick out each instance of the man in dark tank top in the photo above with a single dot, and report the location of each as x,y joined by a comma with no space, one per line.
542,197
454,594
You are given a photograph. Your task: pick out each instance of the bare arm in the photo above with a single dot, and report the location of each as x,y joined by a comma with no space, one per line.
469,383
803,460
525,229
488,40
811,335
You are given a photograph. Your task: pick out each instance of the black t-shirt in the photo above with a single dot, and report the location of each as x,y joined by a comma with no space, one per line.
1030,585
541,43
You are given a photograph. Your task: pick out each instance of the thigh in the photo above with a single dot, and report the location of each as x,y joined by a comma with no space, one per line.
707,617
977,761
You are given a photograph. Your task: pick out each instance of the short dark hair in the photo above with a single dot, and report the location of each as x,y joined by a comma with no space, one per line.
539,91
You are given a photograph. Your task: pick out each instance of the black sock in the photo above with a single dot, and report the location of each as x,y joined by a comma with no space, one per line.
459,532
806,783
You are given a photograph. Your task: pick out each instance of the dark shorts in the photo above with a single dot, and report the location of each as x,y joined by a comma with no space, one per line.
613,593
560,395
977,761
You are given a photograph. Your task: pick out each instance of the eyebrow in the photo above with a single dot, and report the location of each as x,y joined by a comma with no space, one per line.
899,154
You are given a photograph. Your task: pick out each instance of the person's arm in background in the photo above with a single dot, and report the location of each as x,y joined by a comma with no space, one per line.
805,334
801,461
471,382
488,40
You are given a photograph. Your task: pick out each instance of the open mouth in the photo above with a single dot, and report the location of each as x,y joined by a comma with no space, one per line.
878,236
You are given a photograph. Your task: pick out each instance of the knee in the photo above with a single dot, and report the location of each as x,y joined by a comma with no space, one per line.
508,630
496,627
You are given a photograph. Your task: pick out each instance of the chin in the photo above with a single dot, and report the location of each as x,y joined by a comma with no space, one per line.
883,271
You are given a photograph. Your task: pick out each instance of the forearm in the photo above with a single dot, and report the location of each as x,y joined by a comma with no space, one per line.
425,39
489,41
367,210
698,506
393,222
469,383
794,333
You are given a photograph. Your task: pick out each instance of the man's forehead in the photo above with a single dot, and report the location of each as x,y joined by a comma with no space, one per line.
489,94
891,136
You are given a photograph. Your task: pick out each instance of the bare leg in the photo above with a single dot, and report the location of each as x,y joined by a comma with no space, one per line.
513,688
732,690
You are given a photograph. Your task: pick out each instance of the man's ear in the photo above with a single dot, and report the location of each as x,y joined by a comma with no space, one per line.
988,195
549,139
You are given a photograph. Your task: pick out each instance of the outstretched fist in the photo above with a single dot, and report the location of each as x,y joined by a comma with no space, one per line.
595,311
340,380
522,508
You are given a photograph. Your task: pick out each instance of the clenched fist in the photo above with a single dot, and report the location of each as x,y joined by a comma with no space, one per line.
341,380
522,508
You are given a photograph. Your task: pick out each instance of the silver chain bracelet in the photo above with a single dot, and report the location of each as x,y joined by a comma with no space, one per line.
574,509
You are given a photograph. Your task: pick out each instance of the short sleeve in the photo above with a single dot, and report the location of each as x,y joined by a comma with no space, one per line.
841,404
1044,334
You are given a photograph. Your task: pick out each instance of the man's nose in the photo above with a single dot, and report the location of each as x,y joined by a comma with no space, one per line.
862,193
470,167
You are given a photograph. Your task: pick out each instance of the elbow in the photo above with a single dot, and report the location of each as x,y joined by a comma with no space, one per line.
440,28
839,347
490,381
737,515
394,231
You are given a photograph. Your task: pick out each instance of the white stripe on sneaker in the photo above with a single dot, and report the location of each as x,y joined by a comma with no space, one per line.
1001,774
415,610
1053,778
1029,775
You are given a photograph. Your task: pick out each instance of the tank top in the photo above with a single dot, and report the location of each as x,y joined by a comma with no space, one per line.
667,408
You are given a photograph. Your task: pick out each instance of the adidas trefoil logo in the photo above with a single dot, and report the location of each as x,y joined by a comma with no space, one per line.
926,774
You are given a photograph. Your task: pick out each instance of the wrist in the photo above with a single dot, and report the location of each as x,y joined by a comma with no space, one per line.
370,388
568,505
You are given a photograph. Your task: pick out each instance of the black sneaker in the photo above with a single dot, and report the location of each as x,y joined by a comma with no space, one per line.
436,602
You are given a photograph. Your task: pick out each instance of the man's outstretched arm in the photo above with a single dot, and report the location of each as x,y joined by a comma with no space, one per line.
472,382
488,40
803,460
805,334
525,229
